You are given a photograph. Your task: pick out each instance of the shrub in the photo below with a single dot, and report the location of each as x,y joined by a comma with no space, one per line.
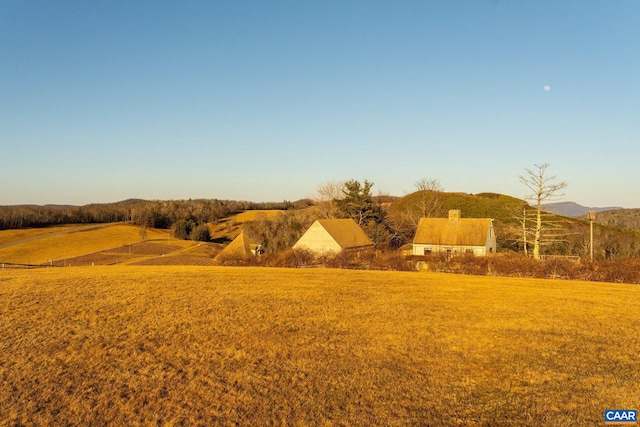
290,258
392,260
236,260
469,264
512,264
200,233
181,229
557,268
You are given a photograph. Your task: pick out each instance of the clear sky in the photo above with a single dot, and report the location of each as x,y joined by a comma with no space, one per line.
102,101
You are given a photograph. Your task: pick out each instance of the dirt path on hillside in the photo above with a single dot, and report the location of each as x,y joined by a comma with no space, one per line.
57,233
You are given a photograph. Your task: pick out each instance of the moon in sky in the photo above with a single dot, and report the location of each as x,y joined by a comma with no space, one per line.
547,88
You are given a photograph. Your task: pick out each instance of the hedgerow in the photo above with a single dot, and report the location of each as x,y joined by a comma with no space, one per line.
507,265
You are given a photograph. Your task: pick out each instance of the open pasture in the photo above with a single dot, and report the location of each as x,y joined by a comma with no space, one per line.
257,346
16,235
66,242
148,250
252,215
196,254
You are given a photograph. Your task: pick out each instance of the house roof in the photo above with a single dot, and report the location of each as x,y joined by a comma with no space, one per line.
461,232
240,246
346,232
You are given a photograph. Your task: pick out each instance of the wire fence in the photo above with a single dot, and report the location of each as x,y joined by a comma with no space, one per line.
8,265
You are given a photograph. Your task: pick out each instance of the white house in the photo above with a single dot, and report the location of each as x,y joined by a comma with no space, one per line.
455,235
334,235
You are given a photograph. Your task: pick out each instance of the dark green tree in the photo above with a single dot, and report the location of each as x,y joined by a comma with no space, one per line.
357,202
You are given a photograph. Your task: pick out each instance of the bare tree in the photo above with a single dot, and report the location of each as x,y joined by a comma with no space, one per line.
423,203
543,188
520,231
143,232
427,204
325,198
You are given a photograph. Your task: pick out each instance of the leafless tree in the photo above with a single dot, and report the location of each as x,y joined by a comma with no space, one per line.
143,232
543,188
427,203
518,230
325,199
423,203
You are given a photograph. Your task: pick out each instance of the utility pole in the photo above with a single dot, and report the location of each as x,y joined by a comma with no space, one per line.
592,217
524,229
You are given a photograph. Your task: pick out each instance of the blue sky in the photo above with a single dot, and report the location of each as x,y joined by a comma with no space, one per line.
265,100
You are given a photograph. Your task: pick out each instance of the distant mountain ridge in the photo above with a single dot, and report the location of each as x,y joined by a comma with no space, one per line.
574,210
623,219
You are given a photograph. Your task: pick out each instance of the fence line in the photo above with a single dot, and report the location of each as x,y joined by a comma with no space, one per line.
7,265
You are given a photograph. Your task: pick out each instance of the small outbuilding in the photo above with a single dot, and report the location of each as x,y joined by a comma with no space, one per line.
334,235
455,235
240,247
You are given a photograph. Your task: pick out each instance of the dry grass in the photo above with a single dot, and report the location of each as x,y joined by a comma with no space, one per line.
256,346
198,254
75,243
130,254
226,230
248,216
9,236
180,259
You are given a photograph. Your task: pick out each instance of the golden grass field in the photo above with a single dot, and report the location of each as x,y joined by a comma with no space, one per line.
252,215
8,236
40,245
138,345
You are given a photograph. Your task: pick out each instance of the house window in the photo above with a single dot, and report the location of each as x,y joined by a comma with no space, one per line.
427,251
469,251
449,251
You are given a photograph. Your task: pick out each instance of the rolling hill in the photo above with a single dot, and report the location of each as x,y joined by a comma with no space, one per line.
500,207
44,245
117,243
574,210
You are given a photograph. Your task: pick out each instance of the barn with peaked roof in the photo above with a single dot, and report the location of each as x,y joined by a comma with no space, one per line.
455,235
240,247
334,235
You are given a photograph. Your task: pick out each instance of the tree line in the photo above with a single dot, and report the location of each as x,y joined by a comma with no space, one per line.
389,224
156,213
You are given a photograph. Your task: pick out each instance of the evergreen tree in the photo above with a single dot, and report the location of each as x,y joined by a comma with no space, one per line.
357,202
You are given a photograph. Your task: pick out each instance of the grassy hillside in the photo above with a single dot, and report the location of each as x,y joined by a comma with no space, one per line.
67,242
483,205
248,216
12,236
243,346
